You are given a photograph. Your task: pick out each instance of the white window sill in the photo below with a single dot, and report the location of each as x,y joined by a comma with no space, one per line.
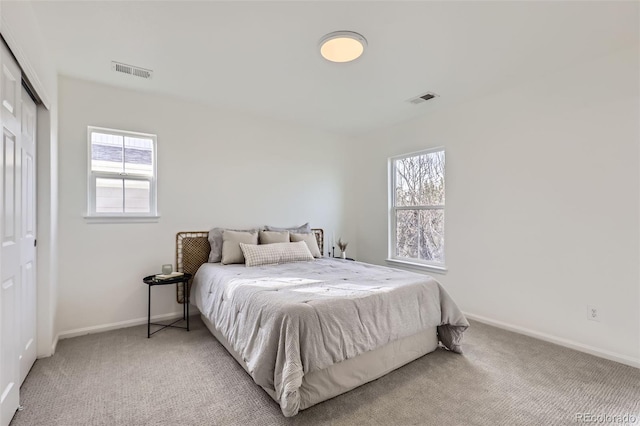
418,266
122,219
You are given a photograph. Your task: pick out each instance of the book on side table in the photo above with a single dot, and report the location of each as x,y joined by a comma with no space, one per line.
169,276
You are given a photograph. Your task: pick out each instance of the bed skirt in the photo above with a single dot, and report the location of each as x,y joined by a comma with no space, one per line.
344,376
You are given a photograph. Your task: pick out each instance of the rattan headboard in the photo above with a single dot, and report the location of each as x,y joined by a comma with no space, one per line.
192,250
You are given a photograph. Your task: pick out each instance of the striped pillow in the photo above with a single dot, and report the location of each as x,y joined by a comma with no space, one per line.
273,254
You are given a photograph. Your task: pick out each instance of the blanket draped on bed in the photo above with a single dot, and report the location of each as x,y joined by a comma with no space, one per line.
288,320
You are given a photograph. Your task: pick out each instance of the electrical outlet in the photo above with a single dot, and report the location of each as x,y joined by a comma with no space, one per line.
592,313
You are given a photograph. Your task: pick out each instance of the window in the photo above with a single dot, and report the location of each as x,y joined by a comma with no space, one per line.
122,174
416,214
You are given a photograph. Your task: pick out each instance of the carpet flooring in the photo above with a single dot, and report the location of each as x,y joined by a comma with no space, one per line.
187,378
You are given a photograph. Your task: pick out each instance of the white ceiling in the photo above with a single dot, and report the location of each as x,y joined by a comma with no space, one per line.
262,57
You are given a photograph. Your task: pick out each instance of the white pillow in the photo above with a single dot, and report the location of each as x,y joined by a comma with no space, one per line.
231,252
310,240
276,253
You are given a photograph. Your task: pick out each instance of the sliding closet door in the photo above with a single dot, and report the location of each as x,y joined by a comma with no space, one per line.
27,294
10,197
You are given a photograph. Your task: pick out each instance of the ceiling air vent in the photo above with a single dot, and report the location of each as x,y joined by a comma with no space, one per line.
131,70
423,98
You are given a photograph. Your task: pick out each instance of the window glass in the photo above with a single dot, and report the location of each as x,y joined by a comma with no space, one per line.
417,188
109,195
136,196
122,179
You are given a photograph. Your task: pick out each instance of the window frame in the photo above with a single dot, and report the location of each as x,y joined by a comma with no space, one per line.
94,216
392,258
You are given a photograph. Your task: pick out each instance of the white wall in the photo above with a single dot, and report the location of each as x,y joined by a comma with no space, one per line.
20,30
542,215
215,168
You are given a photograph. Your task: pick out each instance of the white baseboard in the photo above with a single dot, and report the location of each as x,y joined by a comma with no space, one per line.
612,356
117,325
54,345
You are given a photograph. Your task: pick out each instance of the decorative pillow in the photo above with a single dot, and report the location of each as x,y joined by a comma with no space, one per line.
273,254
231,240
310,240
215,241
270,237
302,229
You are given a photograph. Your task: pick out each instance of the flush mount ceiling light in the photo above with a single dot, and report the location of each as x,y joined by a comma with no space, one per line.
342,46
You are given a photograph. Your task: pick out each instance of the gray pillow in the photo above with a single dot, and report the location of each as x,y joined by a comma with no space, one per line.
271,237
302,229
311,241
215,241
231,252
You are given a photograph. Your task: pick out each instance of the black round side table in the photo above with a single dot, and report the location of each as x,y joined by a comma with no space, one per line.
151,281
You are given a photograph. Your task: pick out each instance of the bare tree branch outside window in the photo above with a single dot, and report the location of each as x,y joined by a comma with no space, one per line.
418,209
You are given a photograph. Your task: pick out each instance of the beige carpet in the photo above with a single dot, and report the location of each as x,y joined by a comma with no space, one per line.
179,378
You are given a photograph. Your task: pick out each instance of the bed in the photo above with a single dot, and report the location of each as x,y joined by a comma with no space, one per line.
309,331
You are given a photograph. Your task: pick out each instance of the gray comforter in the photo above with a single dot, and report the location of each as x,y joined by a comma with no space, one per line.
288,320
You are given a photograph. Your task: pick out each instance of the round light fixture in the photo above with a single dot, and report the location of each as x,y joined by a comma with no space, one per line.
342,46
